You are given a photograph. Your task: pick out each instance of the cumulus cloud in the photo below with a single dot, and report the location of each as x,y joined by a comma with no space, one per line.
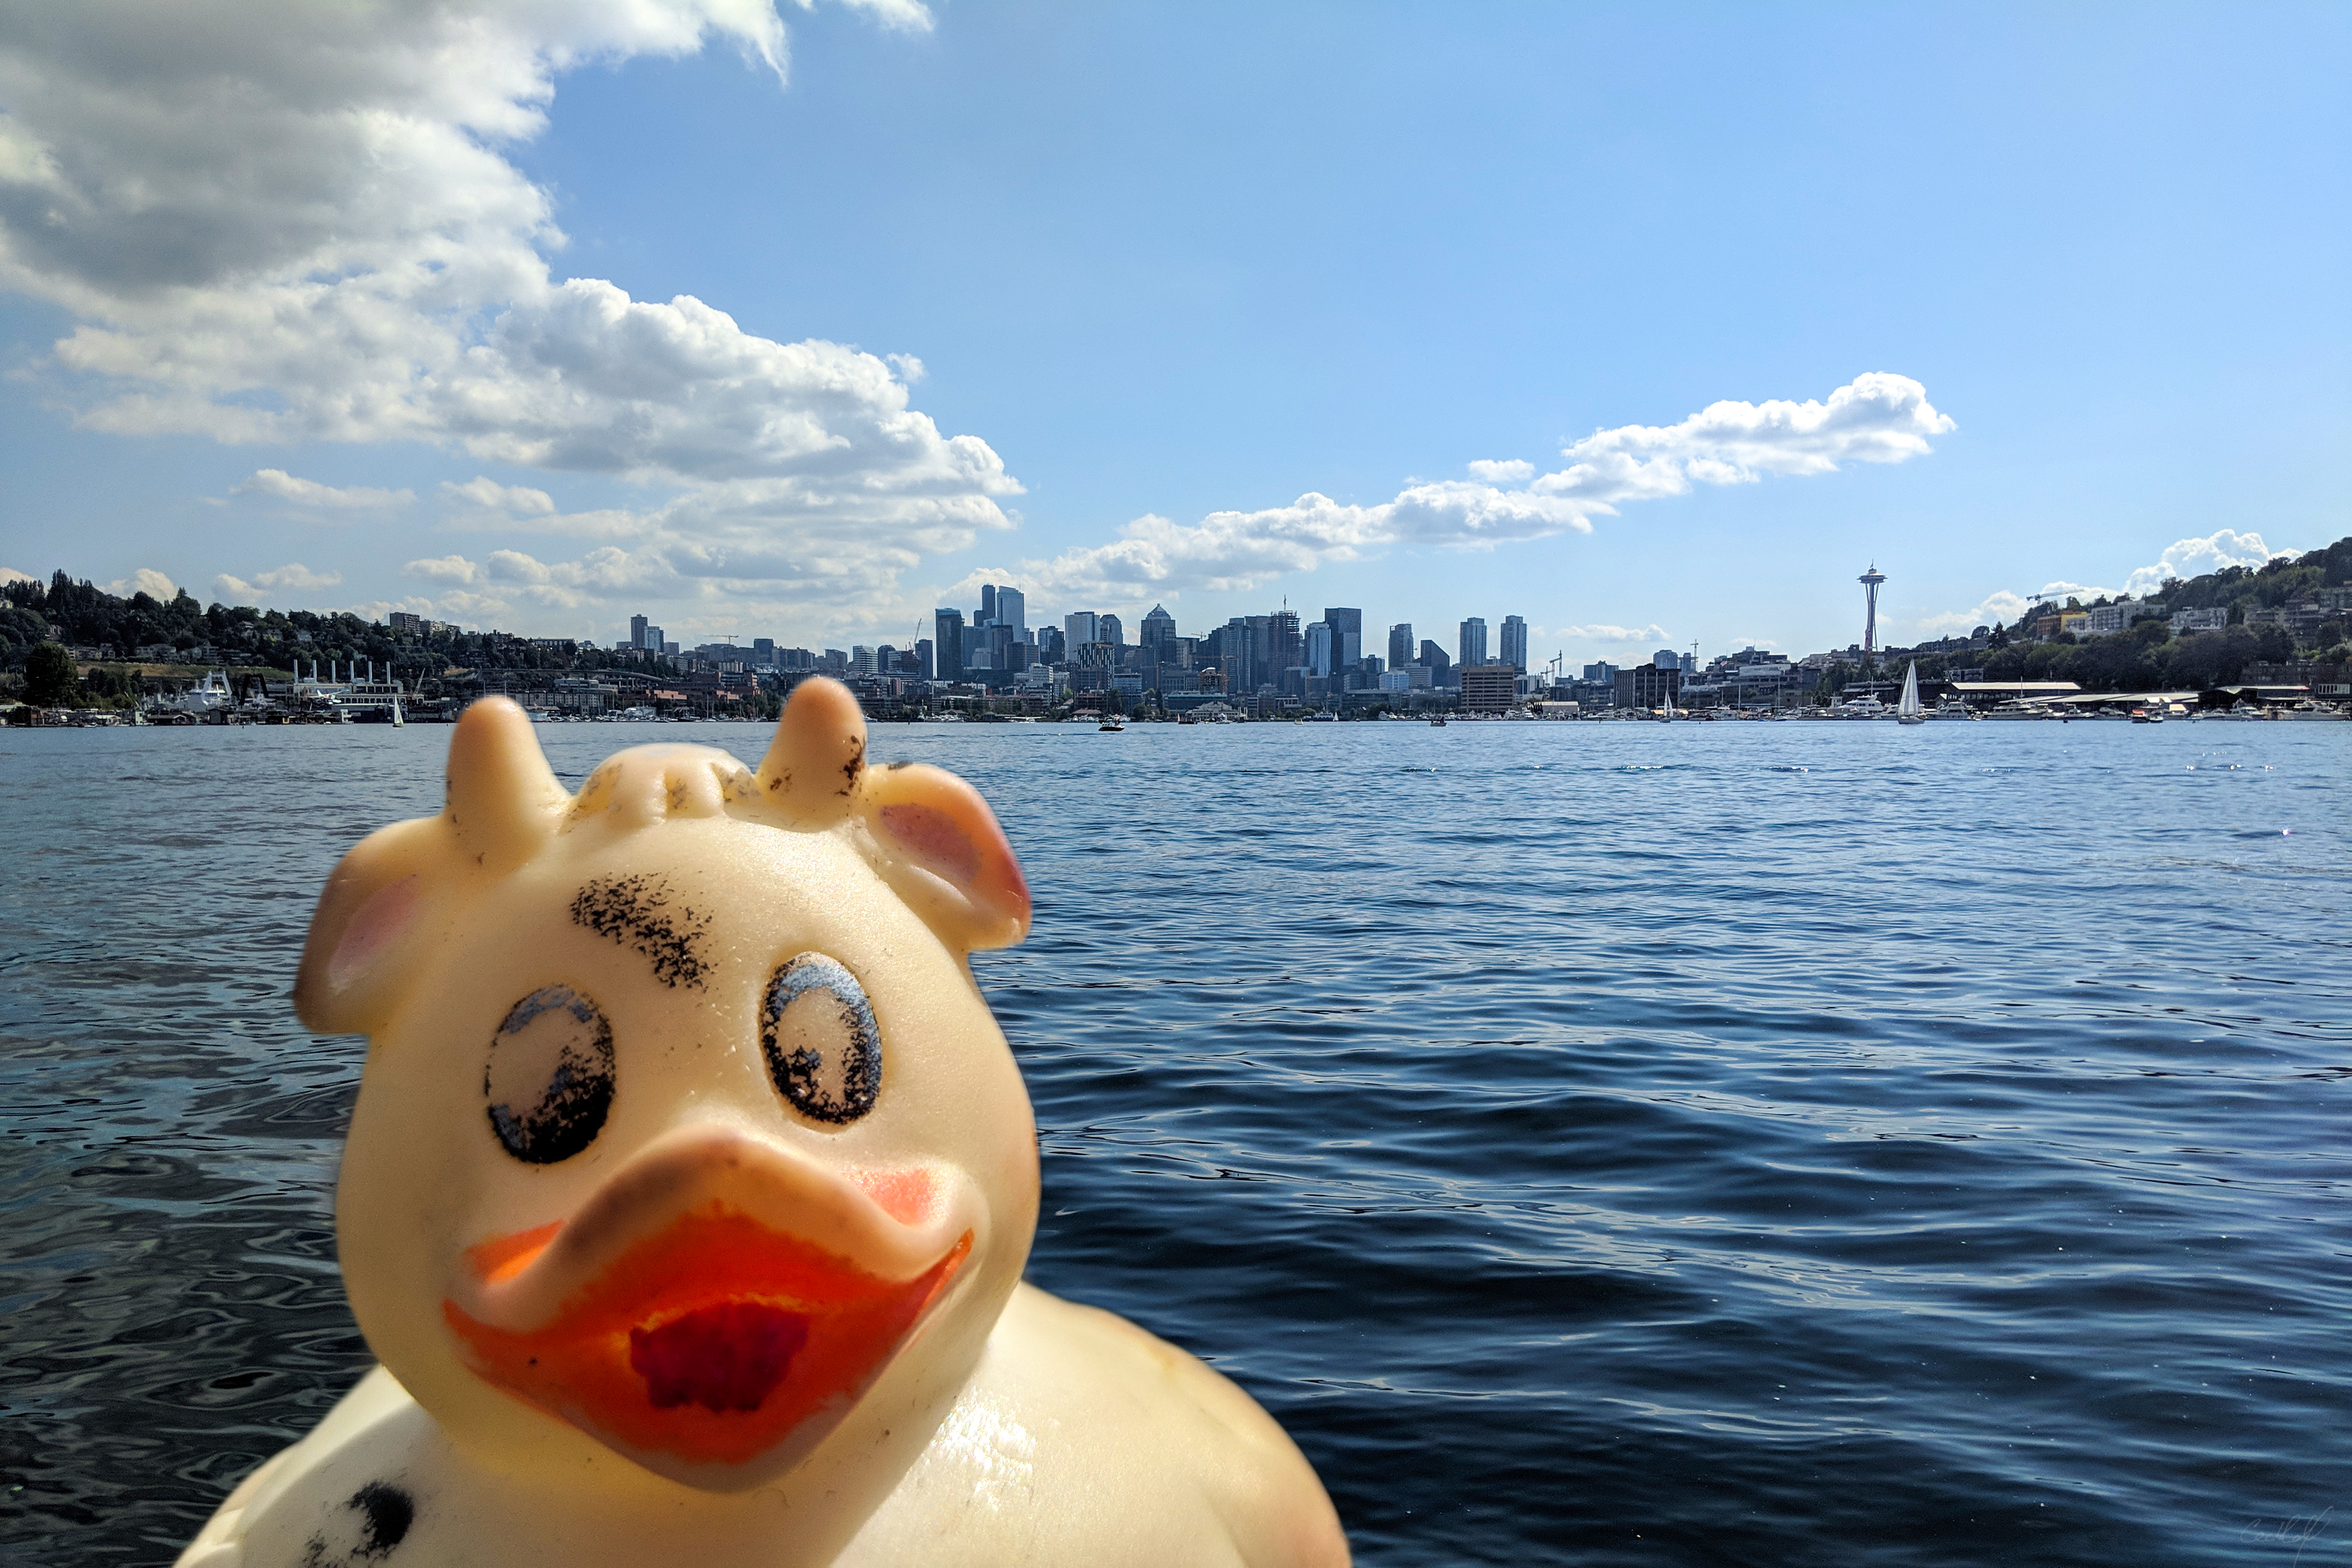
10,575
280,485
274,221
453,569
1875,418
1651,634
2183,558
147,581
291,578
491,496
2195,557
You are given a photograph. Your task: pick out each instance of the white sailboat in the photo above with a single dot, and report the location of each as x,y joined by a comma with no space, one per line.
1907,710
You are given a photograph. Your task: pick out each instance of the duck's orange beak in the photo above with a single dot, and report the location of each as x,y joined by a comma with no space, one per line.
684,1320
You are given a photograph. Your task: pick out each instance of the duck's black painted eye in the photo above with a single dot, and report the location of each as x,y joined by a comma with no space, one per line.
549,1078
818,1034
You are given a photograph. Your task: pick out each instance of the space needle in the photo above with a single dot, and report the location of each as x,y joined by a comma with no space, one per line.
1870,580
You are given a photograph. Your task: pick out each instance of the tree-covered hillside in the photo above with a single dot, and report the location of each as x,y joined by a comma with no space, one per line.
80,615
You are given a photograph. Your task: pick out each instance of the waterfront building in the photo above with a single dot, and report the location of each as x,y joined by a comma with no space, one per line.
1515,642
1488,687
1472,642
947,636
1651,684
1401,648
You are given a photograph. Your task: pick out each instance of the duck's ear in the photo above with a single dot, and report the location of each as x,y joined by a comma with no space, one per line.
365,934
942,849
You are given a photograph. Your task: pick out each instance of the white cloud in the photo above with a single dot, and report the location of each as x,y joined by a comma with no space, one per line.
2195,557
1875,418
147,581
1510,471
1653,634
10,575
274,221
282,486
454,570
293,578
489,494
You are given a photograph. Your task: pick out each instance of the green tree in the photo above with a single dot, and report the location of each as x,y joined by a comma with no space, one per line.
51,679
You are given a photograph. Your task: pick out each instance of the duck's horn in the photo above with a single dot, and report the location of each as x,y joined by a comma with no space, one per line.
817,760
504,802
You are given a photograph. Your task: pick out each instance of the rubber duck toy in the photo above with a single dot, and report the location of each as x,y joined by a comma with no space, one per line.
688,1191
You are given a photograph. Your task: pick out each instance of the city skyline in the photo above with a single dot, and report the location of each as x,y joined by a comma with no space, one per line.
548,345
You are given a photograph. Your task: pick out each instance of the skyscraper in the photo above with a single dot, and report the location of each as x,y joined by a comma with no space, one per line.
1108,630
1318,647
1515,643
947,640
1472,645
987,617
1401,648
1079,627
1011,610
637,631
1347,637
1159,629
1282,643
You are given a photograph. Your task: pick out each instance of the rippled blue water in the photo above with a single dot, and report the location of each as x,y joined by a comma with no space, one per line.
1596,1144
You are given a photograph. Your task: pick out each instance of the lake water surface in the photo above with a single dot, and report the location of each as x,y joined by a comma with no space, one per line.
1616,1143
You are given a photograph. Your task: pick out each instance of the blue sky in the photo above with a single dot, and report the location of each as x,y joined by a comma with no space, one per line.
1190,264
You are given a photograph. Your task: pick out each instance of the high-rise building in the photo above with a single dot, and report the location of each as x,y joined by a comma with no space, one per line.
1159,629
1487,688
1318,648
1441,668
1283,642
1080,628
763,652
1347,637
861,659
1401,648
946,633
923,647
1472,645
637,631
987,617
1515,642
1011,610
1108,630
